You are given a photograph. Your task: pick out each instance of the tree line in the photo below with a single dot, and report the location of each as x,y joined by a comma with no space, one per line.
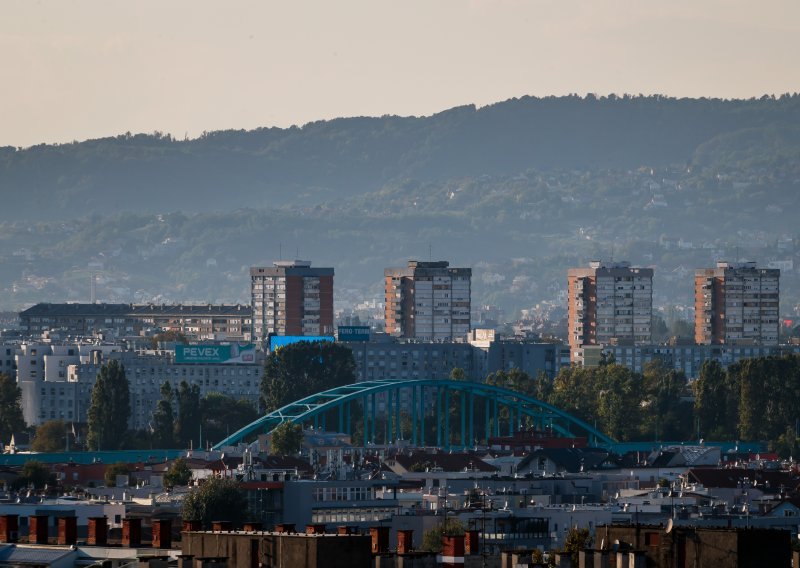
354,154
754,399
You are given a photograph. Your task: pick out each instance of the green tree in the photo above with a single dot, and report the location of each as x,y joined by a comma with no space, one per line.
300,369
163,424
458,374
34,473
577,539
187,426
178,473
710,396
575,390
11,419
787,445
50,437
287,439
619,406
432,539
215,499
113,470
109,409
665,416
223,415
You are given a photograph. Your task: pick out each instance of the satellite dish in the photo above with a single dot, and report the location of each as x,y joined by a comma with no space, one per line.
669,526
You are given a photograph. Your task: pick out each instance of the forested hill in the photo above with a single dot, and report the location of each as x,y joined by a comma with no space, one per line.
328,160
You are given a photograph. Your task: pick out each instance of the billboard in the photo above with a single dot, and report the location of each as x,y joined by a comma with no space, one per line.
353,333
219,354
278,341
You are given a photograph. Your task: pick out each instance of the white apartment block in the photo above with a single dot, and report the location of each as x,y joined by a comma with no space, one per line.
610,302
428,301
737,304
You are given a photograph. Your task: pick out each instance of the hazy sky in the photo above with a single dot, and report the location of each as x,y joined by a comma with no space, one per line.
83,69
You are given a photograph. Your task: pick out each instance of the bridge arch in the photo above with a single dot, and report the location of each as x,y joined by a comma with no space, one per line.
383,403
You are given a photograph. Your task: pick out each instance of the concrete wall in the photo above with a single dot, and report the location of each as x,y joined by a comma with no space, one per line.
276,550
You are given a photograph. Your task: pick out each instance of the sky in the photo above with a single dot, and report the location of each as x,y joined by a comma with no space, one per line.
91,68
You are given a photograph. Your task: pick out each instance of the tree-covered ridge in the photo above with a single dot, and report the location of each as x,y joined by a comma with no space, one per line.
327,160
520,191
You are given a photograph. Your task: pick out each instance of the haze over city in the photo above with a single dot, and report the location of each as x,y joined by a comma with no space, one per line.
88,69
426,283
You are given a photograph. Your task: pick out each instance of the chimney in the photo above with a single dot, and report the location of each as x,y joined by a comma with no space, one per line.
67,530
586,557
98,531
9,528
315,529
380,539
284,528
221,526
192,526
253,526
162,533
452,551
405,542
565,561
346,529
472,541
131,532
37,529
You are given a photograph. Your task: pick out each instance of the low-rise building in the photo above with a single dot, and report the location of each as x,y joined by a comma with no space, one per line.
207,322
687,359
57,381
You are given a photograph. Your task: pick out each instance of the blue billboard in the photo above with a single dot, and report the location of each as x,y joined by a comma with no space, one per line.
353,333
278,341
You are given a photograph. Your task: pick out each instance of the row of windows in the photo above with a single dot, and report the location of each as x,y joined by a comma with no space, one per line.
343,493
370,515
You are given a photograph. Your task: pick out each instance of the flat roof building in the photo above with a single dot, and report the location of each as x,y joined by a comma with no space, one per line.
428,301
610,302
217,322
291,298
736,303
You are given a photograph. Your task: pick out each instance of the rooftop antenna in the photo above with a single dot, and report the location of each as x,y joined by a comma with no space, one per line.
280,250
430,251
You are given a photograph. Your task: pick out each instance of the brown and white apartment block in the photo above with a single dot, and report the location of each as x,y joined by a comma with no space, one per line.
736,304
610,303
291,298
428,301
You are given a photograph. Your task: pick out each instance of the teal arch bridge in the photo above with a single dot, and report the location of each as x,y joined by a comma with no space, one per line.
453,414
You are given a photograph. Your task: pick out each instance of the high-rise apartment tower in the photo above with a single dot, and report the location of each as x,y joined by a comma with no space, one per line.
291,298
610,302
428,301
736,304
